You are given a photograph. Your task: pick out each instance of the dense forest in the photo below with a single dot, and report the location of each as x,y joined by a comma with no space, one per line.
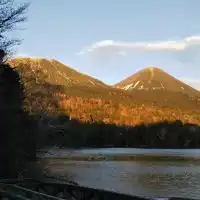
76,134
88,122
80,121
99,105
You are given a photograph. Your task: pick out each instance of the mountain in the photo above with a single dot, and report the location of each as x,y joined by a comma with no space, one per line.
155,79
47,80
54,72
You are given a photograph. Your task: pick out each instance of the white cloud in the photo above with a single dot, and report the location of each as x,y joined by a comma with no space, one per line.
123,47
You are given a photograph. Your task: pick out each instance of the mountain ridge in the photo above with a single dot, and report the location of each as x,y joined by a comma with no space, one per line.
51,77
151,70
56,72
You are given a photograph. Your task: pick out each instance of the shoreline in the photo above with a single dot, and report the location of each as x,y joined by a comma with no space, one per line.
119,154
121,158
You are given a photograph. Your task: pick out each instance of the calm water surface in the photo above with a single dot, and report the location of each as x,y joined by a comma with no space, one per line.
150,178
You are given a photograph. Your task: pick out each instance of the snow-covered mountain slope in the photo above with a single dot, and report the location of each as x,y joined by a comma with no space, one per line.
152,79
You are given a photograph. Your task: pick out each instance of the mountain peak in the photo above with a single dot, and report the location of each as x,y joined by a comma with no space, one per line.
154,78
152,69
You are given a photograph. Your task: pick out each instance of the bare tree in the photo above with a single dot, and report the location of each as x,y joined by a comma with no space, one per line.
11,14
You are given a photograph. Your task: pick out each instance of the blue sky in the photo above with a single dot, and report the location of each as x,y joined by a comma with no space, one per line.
111,40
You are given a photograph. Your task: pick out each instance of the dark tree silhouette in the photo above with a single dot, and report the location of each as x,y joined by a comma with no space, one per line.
16,144
2,55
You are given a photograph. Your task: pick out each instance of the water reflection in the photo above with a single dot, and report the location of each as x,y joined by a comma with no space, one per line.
150,178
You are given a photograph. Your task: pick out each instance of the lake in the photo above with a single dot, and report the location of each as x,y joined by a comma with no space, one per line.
177,174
